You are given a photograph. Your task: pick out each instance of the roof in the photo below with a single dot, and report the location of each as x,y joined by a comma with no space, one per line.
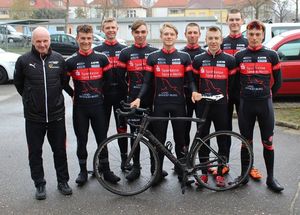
201,4
171,3
6,3
125,3
40,4
76,3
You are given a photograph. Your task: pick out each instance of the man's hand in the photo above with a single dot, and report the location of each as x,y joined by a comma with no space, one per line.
196,97
135,103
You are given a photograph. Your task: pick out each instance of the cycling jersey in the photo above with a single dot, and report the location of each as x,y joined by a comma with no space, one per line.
132,60
256,67
115,84
214,72
169,69
87,71
233,43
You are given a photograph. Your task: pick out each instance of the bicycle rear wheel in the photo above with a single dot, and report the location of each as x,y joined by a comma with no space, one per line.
111,148
209,162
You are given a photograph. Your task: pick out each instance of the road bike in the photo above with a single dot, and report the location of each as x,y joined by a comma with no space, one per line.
191,165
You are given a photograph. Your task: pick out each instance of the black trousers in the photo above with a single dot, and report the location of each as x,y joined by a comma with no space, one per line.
56,135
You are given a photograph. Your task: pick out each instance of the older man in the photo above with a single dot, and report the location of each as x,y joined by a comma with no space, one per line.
39,79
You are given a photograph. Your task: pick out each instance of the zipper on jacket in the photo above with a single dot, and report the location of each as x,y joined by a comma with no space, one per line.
45,88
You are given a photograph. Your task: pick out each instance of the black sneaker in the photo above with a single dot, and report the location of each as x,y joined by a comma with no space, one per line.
64,188
40,193
127,167
134,173
111,177
82,178
274,185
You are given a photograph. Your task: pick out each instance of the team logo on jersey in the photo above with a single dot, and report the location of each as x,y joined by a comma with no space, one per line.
247,59
226,46
202,71
176,61
134,56
80,65
95,64
161,61
240,46
117,53
220,63
262,59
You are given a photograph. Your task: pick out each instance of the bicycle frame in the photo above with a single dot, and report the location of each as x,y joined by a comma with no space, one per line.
143,132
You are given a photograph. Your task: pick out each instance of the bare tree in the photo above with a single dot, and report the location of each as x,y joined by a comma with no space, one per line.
280,9
257,4
21,9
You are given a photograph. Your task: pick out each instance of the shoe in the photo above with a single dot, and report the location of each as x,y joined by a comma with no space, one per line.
134,173
40,193
160,178
255,174
273,184
188,181
203,178
164,174
64,188
220,181
82,178
111,177
124,167
214,171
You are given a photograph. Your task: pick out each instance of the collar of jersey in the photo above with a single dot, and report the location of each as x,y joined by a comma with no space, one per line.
255,48
85,53
217,53
189,46
140,46
110,43
168,51
235,36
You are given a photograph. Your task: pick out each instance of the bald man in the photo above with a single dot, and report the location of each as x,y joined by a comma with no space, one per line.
39,79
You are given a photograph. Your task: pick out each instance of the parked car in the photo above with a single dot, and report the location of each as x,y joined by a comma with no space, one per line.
10,34
287,45
97,40
7,65
101,34
64,44
274,29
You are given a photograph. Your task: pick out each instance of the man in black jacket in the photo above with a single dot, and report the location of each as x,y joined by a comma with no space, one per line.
39,79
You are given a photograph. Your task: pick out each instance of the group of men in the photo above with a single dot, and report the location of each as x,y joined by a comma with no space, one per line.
167,81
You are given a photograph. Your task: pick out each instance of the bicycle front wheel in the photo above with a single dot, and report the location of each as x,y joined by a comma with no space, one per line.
222,160
108,153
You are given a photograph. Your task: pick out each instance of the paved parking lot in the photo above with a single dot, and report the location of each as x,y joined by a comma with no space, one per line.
17,191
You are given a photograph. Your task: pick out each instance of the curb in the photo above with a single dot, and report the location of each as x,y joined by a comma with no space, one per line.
287,124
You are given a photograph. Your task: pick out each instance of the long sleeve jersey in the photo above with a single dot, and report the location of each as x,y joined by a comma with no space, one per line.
256,66
168,69
132,62
215,73
87,71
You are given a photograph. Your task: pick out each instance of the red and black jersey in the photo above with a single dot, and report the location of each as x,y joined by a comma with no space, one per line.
256,66
132,61
234,43
115,82
215,73
169,69
87,71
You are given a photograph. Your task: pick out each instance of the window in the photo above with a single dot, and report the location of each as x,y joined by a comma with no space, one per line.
131,13
175,11
278,30
60,28
290,51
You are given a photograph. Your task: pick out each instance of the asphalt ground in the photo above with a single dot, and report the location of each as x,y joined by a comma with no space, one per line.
17,190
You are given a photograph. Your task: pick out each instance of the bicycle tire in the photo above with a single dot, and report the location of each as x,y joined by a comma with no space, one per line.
237,174
125,187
